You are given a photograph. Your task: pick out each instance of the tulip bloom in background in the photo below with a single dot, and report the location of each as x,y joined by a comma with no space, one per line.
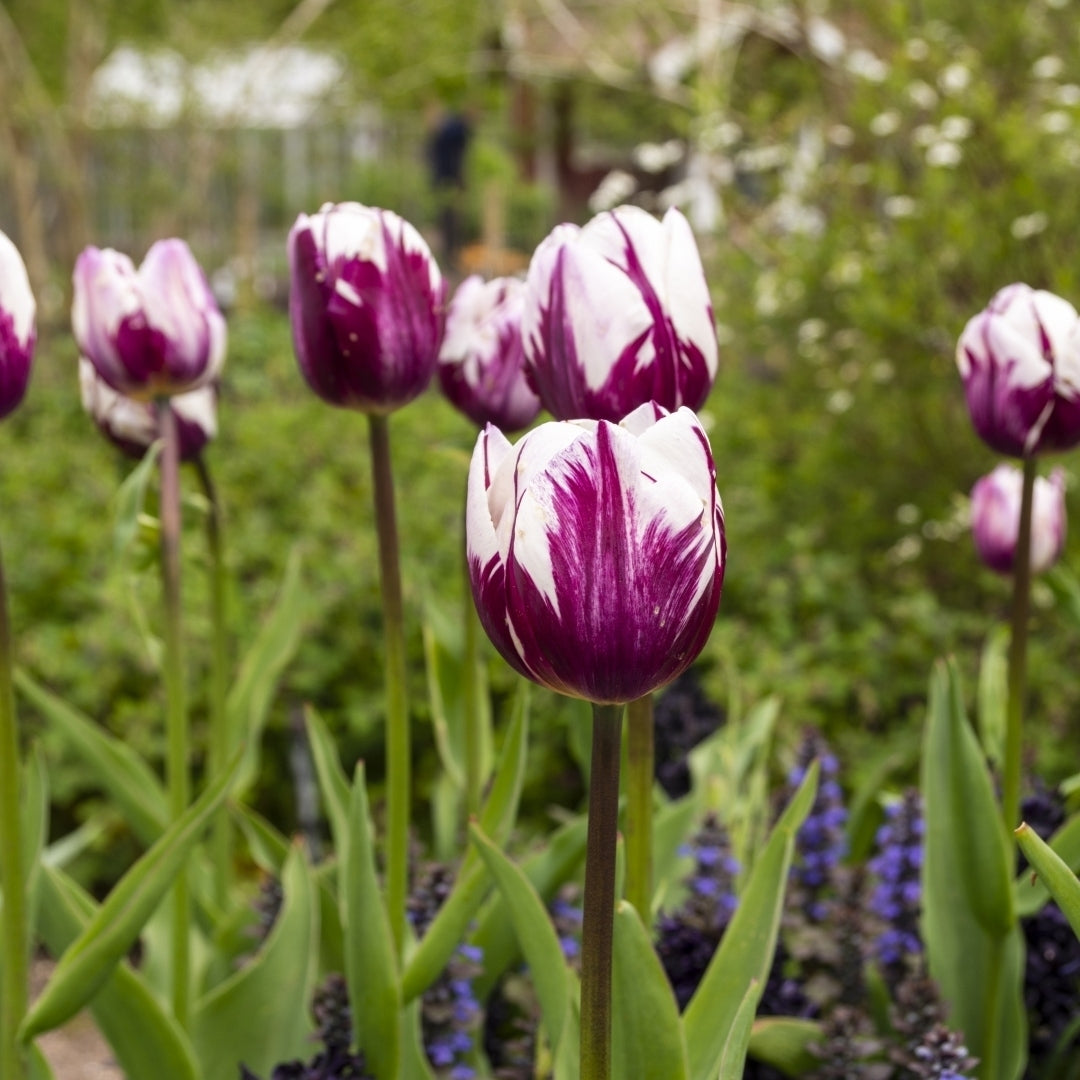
482,362
17,332
995,519
152,332
618,314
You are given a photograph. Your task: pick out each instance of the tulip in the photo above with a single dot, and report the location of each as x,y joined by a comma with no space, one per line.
596,550
152,332
366,302
133,425
618,314
17,333
1020,362
482,362
995,519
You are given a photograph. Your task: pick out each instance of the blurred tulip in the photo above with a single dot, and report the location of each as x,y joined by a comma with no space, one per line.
17,333
132,425
481,362
151,332
618,314
365,300
596,550
1020,362
995,519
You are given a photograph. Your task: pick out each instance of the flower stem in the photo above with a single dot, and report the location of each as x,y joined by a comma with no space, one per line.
398,752
219,749
639,788
14,935
1014,724
988,1052
177,776
473,741
599,906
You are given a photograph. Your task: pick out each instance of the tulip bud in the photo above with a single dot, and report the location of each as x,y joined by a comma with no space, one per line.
596,550
995,519
366,302
618,314
133,425
481,362
1020,362
17,333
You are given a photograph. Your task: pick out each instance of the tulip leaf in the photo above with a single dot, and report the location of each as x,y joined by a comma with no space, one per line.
131,497
129,781
647,1035
672,824
746,949
39,1067
414,1061
34,827
258,1016
333,783
68,848
783,1042
1031,891
993,694
370,961
1054,871
733,1057
89,961
1066,589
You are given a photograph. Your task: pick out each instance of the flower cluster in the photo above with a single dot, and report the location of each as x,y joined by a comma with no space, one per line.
683,716
451,1016
896,898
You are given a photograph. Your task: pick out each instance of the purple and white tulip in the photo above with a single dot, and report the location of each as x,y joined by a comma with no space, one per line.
18,334
596,550
1020,362
995,519
618,314
133,425
151,332
482,362
366,303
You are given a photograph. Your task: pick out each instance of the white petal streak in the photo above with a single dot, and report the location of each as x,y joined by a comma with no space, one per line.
686,291
491,449
16,297
677,444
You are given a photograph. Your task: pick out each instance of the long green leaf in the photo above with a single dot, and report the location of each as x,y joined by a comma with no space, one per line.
783,1042
333,783
35,828
1054,871
993,694
1031,894
733,1057
131,497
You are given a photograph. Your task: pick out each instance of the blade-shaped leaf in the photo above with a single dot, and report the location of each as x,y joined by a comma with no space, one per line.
993,694
1054,872
333,783
733,1058
1065,843
783,1042
131,497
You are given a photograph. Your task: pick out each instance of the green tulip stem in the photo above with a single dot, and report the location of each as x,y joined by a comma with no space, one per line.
598,922
14,934
473,742
1014,724
177,776
398,766
639,789
988,1052
219,750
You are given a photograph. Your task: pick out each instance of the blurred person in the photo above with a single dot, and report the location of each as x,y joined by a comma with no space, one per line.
449,134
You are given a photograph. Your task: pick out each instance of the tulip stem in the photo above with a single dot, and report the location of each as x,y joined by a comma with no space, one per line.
14,934
599,906
177,777
473,742
219,749
1014,725
639,790
398,751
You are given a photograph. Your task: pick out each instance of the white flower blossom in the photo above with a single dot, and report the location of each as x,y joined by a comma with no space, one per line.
1055,122
885,124
955,79
899,206
955,128
921,94
944,155
1048,67
1029,225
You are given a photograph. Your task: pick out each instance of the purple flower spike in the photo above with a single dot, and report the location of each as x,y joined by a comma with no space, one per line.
618,314
482,363
1020,362
17,331
596,550
151,332
366,304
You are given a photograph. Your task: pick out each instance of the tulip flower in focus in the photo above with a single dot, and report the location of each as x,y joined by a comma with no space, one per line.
618,314
596,550
365,302
1020,362
995,519
17,332
151,332
132,425
482,362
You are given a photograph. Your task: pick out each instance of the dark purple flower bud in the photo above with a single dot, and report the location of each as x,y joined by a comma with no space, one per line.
618,314
366,304
596,550
995,519
17,331
1020,362
149,332
133,425
481,362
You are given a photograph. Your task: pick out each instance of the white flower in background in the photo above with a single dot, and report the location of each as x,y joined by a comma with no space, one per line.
924,135
917,49
839,401
955,128
848,270
921,94
955,79
614,189
1067,95
840,135
656,157
826,39
908,514
882,372
899,206
1048,67
1055,122
944,155
1029,225
863,64
885,123
763,158
1069,149
811,330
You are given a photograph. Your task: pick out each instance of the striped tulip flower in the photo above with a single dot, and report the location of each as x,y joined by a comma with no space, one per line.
151,332
481,362
17,331
618,314
366,302
133,425
596,550
1020,362
995,519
